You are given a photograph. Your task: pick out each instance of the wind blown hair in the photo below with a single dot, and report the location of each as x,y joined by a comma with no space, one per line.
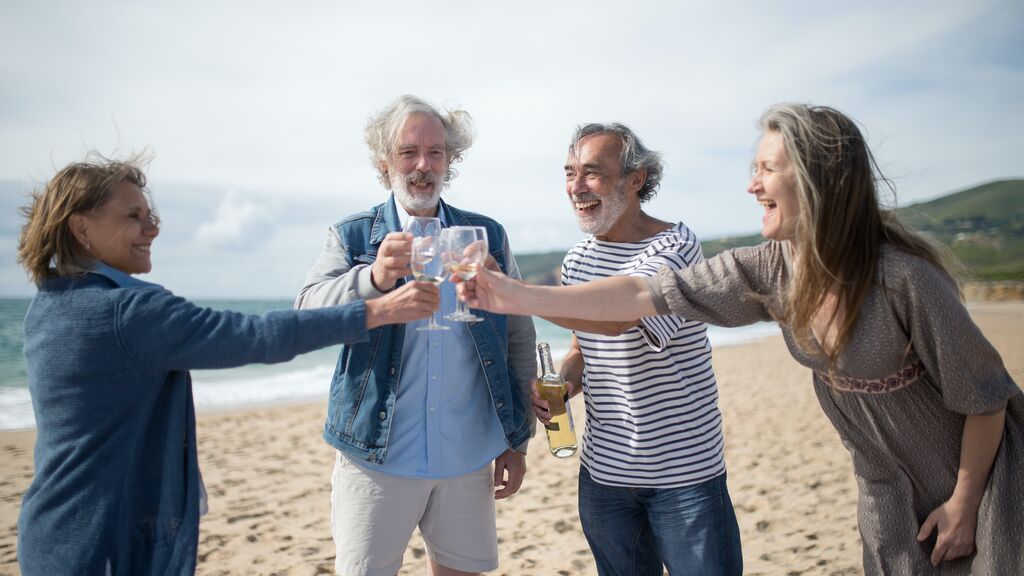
841,228
382,132
635,156
47,247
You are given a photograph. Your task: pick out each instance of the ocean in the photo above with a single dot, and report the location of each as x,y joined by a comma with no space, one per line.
305,378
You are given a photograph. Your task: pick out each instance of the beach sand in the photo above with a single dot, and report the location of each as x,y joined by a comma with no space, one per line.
267,472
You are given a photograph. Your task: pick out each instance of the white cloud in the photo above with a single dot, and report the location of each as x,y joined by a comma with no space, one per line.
272,98
238,224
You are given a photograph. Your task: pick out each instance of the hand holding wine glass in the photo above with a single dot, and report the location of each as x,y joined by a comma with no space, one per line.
426,259
466,251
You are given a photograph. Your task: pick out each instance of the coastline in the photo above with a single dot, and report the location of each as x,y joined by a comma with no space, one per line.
267,472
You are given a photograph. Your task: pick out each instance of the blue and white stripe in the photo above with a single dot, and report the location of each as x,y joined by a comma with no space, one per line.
651,395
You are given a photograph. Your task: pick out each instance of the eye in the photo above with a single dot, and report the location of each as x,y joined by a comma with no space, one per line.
436,153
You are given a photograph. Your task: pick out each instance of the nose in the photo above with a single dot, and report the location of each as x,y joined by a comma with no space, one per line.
574,184
423,163
151,229
755,184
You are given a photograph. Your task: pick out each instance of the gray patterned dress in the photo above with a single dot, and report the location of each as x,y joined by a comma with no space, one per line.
914,366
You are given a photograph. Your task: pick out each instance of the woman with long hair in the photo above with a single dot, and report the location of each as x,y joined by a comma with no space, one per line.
933,422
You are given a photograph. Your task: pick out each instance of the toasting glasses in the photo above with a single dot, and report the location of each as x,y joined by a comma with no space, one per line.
465,249
427,258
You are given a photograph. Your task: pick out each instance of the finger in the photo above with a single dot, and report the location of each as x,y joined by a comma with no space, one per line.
927,527
941,545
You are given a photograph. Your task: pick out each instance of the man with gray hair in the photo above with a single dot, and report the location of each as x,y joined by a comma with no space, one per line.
652,488
418,417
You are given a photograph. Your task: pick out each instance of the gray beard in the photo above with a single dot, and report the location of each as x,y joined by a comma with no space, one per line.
612,208
413,202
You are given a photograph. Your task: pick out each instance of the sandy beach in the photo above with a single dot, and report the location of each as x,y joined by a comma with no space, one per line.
267,472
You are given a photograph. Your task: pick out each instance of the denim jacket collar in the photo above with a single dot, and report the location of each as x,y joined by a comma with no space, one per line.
119,278
386,220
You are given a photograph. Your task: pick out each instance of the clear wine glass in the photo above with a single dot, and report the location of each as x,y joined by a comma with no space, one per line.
427,257
465,250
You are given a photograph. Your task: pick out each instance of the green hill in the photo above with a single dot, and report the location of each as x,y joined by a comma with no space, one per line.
983,225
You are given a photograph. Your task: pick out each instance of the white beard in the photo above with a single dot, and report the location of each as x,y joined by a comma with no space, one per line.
608,214
411,201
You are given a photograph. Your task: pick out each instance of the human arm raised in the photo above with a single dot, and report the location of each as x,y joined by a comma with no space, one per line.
335,279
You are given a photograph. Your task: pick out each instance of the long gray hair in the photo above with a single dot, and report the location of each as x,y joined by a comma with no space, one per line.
842,226
635,156
382,132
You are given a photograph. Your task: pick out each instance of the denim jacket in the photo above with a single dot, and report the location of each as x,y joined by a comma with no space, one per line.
364,387
116,487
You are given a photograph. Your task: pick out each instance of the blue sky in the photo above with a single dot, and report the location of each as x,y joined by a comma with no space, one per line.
254,110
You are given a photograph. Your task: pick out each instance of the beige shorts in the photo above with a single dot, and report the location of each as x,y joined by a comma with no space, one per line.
373,516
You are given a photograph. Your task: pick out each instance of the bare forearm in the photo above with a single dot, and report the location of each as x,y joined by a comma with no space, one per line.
978,447
619,298
605,328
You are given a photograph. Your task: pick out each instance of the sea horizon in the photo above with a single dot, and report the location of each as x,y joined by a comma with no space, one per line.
306,378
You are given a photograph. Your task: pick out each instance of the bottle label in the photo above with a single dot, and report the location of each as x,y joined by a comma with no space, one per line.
553,426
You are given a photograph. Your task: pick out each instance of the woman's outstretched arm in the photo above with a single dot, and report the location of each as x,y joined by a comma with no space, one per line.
613,298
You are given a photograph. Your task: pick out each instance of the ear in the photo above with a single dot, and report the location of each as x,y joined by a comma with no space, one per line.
636,180
79,226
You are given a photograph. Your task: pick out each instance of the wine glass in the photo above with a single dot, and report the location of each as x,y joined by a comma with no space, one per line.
465,251
427,259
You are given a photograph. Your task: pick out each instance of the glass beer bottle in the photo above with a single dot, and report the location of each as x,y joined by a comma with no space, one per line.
551,387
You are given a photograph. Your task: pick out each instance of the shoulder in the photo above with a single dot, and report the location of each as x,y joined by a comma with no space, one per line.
477,219
678,238
367,216
898,268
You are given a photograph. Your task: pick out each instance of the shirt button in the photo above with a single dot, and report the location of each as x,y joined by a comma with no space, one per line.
488,362
392,371
383,415
434,377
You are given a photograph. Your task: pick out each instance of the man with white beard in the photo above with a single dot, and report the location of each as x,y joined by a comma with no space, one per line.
652,488
418,417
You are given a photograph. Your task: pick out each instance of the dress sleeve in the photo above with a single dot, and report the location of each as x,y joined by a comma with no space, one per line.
968,371
731,289
157,328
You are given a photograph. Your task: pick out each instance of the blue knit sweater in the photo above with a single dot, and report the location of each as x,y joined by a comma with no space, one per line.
116,475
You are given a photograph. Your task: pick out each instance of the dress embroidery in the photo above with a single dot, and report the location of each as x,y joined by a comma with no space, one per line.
905,377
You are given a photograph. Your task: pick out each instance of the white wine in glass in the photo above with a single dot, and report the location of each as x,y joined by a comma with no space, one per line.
465,250
427,257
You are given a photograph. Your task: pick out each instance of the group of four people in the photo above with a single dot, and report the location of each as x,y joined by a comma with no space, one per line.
431,427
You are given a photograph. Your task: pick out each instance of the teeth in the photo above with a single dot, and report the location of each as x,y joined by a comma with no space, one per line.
583,205
767,203
143,248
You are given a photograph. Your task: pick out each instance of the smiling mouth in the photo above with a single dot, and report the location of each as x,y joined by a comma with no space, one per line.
768,204
143,248
586,206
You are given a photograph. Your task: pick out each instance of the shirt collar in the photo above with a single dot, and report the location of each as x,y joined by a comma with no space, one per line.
403,214
117,277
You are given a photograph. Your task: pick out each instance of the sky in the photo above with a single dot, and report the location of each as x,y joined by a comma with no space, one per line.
253,112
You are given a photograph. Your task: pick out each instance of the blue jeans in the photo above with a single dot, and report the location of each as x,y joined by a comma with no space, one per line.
634,531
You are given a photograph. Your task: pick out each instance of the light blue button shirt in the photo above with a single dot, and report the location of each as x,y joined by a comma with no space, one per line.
445,423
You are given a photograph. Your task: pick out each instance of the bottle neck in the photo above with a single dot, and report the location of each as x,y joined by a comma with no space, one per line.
547,366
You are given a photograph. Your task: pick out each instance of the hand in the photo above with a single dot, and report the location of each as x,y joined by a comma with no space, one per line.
392,260
540,405
491,291
412,301
514,463
956,521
